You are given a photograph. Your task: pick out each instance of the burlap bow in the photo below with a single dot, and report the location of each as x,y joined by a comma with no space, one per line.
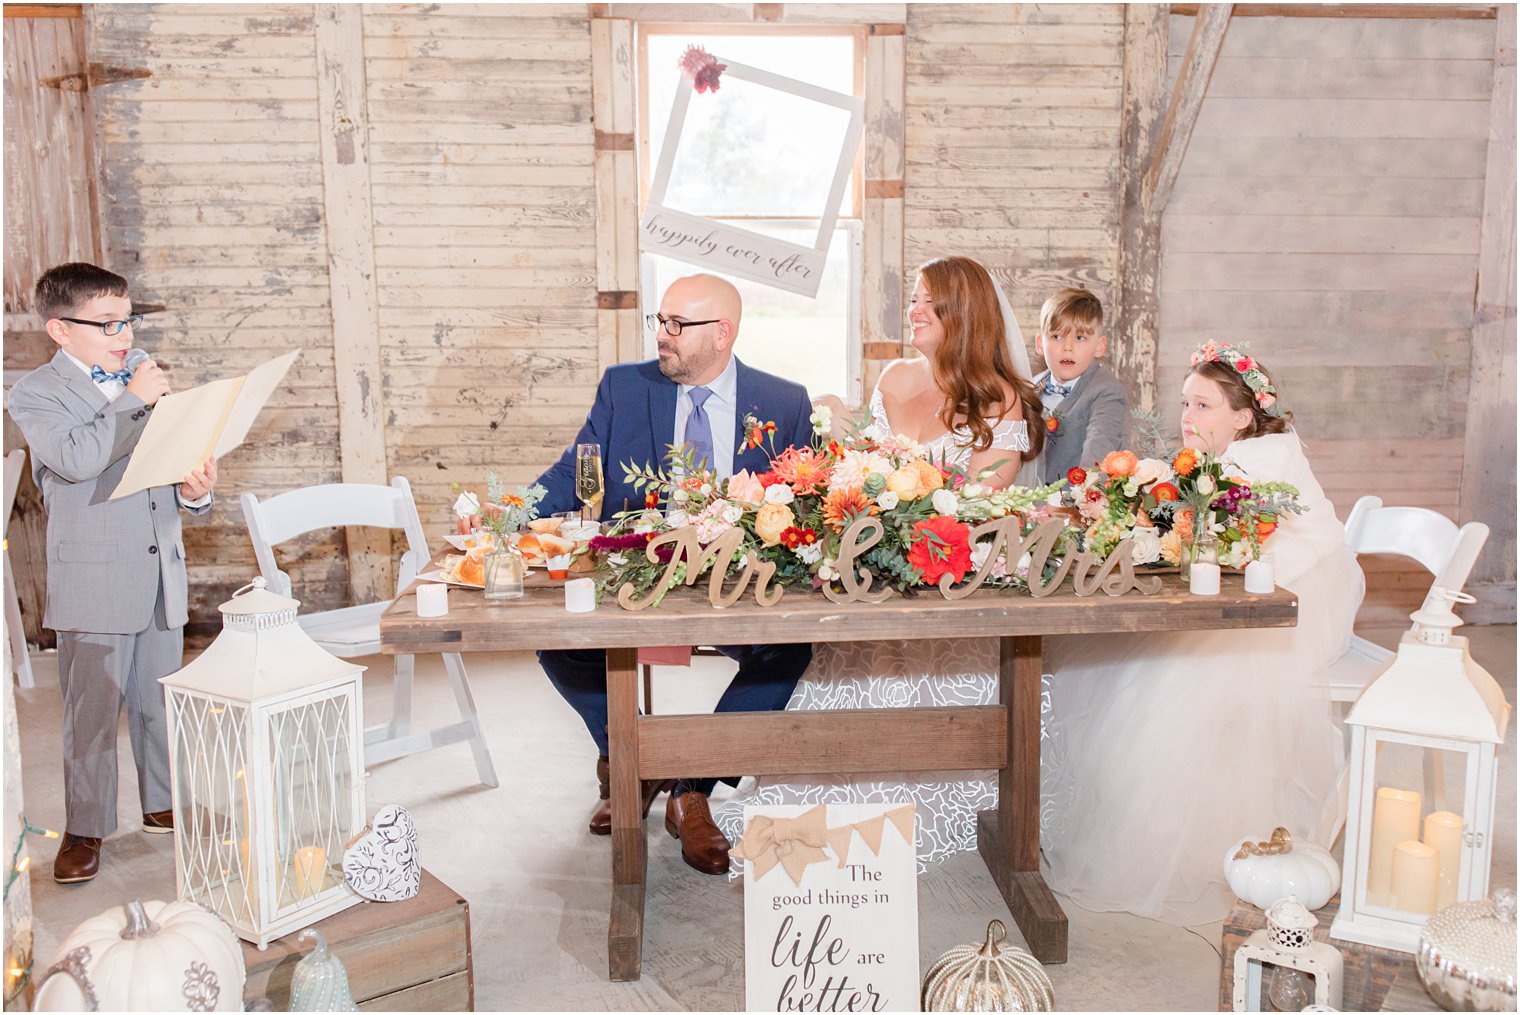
793,843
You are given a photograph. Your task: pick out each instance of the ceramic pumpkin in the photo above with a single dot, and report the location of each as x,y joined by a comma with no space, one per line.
146,956
1263,872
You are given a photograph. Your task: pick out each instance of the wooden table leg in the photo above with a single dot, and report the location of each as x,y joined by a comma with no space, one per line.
1009,837
625,931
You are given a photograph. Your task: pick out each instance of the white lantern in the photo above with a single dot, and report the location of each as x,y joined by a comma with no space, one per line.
1425,739
266,758
1284,960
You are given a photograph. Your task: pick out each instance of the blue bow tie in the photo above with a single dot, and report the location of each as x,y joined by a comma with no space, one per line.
1052,387
97,374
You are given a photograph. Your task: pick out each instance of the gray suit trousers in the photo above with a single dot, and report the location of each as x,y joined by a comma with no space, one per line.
97,673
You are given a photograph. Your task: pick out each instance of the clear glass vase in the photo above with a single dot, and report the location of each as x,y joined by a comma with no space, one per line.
1204,549
505,570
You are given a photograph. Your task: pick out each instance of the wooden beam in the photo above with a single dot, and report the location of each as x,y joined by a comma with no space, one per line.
44,10
344,131
1488,492
1135,316
1187,98
617,192
884,74
1434,12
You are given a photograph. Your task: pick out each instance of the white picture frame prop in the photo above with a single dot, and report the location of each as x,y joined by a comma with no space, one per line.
830,908
729,249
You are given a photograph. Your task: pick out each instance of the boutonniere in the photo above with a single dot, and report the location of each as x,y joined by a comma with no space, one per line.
758,432
1053,423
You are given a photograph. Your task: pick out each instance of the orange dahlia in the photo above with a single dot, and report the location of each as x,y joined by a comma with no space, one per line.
803,469
845,505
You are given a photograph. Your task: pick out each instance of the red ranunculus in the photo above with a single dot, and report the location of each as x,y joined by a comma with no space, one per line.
1164,491
939,546
1076,475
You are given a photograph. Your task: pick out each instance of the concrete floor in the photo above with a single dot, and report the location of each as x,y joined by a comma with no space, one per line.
538,884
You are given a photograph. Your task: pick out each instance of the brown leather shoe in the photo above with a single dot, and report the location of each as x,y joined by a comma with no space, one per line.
158,822
78,859
703,846
601,818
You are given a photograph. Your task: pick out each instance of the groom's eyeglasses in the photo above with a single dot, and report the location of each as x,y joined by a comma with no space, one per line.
671,325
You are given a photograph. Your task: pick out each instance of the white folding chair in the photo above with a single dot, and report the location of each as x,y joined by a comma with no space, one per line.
355,630
1426,536
21,657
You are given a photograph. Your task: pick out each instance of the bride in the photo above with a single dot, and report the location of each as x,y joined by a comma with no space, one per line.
967,401
1160,751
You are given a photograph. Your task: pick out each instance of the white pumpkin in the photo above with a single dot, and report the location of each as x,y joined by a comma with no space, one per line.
146,956
1263,872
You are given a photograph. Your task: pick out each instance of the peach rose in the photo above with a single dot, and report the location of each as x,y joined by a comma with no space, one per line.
772,520
744,486
906,484
1120,463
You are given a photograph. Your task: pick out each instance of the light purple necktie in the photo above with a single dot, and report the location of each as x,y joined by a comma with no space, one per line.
699,430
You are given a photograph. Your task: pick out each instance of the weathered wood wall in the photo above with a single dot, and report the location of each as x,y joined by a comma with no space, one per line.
1328,212
1328,209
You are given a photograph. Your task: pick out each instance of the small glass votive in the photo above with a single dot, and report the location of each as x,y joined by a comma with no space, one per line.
580,595
432,600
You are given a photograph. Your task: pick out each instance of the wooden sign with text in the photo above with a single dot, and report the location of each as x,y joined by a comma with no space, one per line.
830,908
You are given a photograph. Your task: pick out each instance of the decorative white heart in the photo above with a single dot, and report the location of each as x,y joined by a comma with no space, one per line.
384,864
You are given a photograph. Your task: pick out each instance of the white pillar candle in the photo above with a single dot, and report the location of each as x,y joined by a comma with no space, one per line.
1443,833
1395,819
1416,871
1204,580
309,870
1259,577
580,595
432,600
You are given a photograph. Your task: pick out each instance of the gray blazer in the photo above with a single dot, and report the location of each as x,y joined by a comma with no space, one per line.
105,558
1092,421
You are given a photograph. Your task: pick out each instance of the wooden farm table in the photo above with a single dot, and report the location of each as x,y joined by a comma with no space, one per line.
1005,736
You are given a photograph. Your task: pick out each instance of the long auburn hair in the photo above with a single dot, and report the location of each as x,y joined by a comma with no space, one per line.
1239,396
972,365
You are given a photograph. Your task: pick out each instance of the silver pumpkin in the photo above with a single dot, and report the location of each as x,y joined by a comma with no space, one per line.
1466,958
988,978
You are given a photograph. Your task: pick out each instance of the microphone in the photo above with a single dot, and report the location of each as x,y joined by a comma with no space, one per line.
135,359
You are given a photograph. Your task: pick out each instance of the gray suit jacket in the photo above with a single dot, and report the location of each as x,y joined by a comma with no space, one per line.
1093,420
105,558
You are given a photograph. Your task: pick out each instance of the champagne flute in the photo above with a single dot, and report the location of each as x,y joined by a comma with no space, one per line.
588,479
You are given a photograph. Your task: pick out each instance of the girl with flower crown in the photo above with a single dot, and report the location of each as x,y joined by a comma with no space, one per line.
1162,750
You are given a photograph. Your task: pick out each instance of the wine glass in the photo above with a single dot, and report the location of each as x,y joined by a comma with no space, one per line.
588,479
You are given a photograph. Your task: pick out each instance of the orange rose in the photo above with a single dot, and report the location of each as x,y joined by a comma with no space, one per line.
1185,462
929,476
1120,463
772,520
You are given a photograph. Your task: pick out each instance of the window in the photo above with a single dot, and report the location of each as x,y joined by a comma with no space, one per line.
725,169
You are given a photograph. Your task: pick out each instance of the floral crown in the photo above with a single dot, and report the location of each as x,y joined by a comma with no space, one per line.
1252,374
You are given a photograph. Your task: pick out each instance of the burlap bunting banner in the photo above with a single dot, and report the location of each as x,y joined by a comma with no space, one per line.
794,843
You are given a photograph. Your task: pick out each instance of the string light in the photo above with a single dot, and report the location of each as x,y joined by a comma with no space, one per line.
20,863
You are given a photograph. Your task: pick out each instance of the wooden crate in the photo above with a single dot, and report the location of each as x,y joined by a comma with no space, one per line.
1369,971
401,956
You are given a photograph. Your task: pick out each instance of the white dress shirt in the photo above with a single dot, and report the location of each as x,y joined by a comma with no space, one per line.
722,408
112,389
1051,401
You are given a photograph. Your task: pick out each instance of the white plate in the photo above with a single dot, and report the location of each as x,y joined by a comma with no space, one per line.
437,576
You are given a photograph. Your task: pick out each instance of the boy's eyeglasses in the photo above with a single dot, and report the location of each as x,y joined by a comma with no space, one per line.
110,328
671,325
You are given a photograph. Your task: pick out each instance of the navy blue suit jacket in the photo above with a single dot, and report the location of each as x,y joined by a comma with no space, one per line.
634,420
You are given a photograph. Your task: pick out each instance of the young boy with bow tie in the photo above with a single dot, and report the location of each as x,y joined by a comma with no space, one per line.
117,593
1086,408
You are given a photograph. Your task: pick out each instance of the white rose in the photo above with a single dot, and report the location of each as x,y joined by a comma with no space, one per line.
732,513
810,554
822,418
1239,555
706,489
779,493
676,519
1152,470
1145,545
945,502
826,569
1131,487
886,500
1206,484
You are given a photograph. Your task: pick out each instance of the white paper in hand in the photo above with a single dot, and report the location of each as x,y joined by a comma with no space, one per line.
188,427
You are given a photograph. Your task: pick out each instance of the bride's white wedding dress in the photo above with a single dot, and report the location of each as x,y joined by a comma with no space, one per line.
1161,750
898,674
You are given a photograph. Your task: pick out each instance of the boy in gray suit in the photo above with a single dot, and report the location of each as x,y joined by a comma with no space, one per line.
1086,406
116,588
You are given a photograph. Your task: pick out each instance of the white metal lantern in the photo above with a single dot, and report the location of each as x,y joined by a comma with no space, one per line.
266,759
1425,739
1284,966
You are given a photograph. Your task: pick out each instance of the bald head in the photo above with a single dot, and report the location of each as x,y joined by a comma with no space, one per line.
702,351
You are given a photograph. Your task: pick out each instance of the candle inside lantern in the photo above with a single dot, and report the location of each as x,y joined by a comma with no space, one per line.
1416,871
1395,819
310,870
1443,833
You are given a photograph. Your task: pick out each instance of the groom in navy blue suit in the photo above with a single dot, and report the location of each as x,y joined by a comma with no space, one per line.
696,393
